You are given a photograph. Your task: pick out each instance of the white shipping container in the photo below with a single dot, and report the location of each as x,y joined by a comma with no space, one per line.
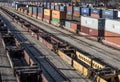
112,26
92,23
118,14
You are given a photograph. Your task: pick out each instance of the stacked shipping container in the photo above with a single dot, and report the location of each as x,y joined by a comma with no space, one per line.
111,14
93,26
76,13
85,11
97,13
63,8
30,10
47,15
35,11
40,13
58,17
72,26
112,31
69,12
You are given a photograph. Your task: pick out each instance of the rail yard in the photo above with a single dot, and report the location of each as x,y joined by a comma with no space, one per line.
58,42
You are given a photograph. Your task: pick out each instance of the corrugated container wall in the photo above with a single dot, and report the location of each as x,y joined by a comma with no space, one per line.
111,14
112,26
35,10
58,14
57,7
112,32
97,13
48,5
69,10
47,12
118,14
76,11
45,4
30,9
85,11
93,23
40,10
67,24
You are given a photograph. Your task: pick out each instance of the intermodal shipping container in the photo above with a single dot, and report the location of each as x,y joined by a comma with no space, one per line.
52,7
62,8
111,14
67,24
85,11
112,31
40,10
47,17
47,12
57,7
94,25
76,11
45,4
58,14
70,8
118,14
35,11
75,25
69,12
49,6
97,13
57,22
30,10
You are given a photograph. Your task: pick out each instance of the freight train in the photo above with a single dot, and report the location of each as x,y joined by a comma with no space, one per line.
86,64
89,22
24,71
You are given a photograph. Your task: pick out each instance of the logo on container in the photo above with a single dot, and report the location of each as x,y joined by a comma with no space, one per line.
106,12
84,10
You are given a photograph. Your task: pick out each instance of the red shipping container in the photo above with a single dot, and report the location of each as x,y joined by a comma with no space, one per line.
69,8
96,33
112,37
75,25
76,13
47,17
40,15
95,15
85,30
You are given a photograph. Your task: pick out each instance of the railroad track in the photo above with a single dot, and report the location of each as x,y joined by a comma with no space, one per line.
53,73
35,26
67,71
107,55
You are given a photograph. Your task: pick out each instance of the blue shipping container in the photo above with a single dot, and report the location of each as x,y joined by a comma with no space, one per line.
67,24
111,14
34,9
85,11
40,10
77,9
96,11
45,4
